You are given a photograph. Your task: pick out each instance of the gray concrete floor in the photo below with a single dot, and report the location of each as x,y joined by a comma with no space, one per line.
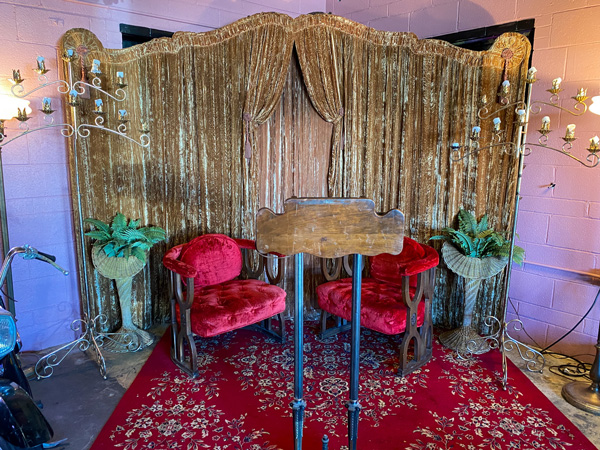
78,401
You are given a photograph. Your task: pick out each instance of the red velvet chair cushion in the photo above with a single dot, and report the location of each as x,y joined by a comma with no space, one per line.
381,304
234,304
414,258
382,308
216,258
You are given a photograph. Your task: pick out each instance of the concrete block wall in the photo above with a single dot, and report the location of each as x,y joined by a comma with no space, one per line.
36,166
559,227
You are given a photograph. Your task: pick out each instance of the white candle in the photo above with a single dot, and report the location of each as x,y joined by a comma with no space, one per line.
46,104
570,131
556,83
72,96
95,66
476,129
545,123
506,83
99,105
497,122
120,74
122,114
40,63
594,142
455,145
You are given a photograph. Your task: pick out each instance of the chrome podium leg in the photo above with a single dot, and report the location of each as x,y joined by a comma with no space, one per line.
298,405
353,405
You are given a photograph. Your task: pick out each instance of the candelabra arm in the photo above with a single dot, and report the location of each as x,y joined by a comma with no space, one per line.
592,158
84,132
18,90
67,131
579,107
474,149
483,112
81,85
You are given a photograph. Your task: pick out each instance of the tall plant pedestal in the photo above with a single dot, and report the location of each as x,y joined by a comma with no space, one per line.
465,340
128,337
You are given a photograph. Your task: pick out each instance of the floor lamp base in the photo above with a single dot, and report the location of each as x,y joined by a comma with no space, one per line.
583,395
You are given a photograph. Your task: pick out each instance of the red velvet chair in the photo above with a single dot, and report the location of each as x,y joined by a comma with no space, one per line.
395,299
208,299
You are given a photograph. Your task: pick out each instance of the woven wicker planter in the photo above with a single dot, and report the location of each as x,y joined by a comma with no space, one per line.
129,337
465,340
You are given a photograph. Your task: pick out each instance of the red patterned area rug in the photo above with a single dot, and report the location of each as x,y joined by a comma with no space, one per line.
241,400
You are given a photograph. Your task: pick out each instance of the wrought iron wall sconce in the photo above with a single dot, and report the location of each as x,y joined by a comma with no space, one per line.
580,394
76,93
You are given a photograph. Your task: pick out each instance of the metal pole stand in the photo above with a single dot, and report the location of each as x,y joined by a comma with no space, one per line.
503,341
90,339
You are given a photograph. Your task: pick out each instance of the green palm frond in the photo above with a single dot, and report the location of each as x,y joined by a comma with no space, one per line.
467,222
477,240
119,222
123,238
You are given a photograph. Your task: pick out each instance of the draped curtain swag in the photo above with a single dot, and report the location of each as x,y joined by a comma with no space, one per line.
390,106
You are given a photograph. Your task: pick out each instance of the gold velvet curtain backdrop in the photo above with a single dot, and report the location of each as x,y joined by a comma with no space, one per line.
345,111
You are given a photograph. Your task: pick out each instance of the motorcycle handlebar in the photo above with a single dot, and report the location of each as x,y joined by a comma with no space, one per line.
47,255
28,253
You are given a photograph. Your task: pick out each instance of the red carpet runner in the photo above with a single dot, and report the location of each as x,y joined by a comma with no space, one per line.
241,401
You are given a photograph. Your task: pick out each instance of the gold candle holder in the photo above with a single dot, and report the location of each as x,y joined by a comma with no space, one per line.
497,123
41,66
581,96
555,89
68,55
16,77
594,144
47,106
545,126
99,106
570,133
96,67
73,101
483,101
22,115
120,80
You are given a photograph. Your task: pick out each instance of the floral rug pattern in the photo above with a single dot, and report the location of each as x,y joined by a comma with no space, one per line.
241,400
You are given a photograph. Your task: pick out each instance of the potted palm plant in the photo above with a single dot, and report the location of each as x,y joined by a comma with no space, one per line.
475,252
119,252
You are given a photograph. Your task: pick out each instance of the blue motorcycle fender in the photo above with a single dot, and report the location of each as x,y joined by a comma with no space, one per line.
21,422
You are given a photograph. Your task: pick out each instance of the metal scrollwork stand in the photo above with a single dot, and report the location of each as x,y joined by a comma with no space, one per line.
501,338
91,337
